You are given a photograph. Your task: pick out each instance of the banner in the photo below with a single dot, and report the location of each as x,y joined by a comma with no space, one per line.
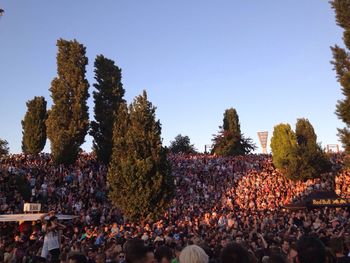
32,207
331,202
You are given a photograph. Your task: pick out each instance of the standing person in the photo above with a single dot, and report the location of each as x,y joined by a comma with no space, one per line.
337,246
150,255
311,250
135,251
285,248
51,244
163,254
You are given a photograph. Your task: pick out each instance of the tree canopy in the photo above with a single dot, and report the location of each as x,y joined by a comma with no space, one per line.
341,63
297,154
68,120
139,173
230,141
107,97
4,147
34,127
182,144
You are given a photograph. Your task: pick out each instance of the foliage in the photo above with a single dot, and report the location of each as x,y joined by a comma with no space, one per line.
341,63
182,144
297,154
139,173
283,146
230,141
4,148
107,98
231,122
313,161
68,119
34,127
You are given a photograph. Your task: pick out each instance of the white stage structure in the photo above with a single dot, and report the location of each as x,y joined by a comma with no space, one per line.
31,213
31,217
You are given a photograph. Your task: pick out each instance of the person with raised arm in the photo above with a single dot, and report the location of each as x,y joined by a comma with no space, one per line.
51,228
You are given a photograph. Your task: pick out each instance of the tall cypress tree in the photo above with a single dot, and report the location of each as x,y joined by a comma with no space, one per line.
68,119
107,98
231,122
230,141
284,148
34,127
312,160
341,62
139,173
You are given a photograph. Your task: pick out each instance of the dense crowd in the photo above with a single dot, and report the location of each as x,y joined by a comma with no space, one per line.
217,201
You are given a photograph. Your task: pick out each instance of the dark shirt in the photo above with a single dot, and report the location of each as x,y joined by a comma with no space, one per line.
343,259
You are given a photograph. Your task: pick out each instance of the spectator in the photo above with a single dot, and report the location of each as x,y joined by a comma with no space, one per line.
234,253
311,250
135,251
150,255
193,254
163,254
77,258
337,247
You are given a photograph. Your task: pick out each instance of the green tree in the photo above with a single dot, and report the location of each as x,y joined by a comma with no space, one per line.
305,133
34,127
341,62
230,141
231,122
182,144
68,119
107,98
297,154
4,148
284,148
139,173
312,160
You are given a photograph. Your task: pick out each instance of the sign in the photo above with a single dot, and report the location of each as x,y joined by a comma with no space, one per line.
263,140
32,207
332,148
331,202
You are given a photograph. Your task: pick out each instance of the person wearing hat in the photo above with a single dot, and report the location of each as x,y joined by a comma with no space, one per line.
51,244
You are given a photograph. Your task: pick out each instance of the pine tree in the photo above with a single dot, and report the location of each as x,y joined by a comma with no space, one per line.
34,127
230,141
182,144
341,62
107,98
4,148
231,122
68,119
139,173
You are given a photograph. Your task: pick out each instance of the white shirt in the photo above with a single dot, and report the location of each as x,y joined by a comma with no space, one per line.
52,240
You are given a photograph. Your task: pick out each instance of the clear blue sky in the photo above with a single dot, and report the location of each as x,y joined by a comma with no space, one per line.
268,59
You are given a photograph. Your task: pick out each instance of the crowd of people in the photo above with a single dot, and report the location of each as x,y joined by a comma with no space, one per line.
217,201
